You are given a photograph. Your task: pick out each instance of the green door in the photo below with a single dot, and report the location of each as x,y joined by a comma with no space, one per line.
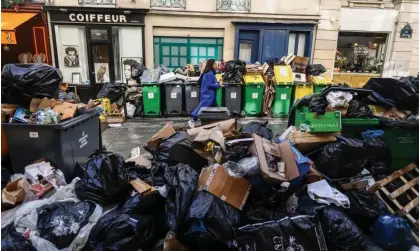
176,52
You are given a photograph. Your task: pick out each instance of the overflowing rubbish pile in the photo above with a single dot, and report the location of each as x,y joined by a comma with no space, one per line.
219,187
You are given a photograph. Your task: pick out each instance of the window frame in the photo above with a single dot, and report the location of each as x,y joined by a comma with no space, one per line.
297,39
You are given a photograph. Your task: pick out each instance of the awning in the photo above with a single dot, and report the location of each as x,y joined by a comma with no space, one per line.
9,22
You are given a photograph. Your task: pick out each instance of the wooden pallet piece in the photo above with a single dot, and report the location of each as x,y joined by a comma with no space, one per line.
411,170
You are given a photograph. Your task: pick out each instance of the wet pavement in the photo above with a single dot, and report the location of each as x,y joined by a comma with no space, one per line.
135,132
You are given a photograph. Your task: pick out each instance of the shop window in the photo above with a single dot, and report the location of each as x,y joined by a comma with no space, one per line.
176,52
99,34
360,52
297,44
72,53
127,45
245,52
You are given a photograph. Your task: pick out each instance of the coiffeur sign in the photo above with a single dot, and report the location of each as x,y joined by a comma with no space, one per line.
95,17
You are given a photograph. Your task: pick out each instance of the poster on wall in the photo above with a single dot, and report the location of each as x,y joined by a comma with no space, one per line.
71,55
130,67
102,73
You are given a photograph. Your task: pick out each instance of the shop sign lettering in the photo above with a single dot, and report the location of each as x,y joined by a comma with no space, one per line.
97,18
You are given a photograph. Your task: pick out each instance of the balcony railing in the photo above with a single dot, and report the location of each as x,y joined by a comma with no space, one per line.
234,5
179,4
97,2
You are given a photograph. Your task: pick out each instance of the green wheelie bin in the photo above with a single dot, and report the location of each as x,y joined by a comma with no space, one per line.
253,95
151,100
282,101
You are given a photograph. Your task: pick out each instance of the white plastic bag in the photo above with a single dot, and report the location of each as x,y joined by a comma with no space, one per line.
322,192
339,99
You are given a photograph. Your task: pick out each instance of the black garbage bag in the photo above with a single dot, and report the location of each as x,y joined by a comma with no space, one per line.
393,233
344,158
365,208
258,128
399,123
315,69
358,109
112,91
14,241
22,82
234,71
177,149
301,232
5,177
401,94
60,222
209,223
318,104
412,81
342,233
131,226
104,180
375,141
181,181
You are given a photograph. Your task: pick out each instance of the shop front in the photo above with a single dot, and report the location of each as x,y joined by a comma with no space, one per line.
24,36
259,42
91,45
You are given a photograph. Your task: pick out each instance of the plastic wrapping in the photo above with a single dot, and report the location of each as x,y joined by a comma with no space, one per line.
412,81
318,104
151,76
393,233
209,223
296,233
14,241
234,71
112,91
245,167
104,180
22,82
358,109
339,98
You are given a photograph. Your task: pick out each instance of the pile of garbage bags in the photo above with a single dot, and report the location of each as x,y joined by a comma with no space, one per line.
217,188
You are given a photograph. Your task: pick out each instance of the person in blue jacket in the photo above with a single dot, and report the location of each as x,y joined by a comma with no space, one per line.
209,88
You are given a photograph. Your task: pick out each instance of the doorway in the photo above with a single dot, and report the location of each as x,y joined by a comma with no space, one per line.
101,67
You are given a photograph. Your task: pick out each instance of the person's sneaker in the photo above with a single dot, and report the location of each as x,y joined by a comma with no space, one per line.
191,124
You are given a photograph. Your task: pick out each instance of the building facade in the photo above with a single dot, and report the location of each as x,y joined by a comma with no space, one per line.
174,33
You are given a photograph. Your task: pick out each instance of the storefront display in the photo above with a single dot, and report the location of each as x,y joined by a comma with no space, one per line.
91,45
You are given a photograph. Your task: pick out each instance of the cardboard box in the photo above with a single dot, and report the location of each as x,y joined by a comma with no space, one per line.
305,141
228,127
141,187
300,64
283,151
166,131
215,180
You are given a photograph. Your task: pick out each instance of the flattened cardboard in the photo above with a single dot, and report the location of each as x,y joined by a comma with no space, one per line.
46,103
215,180
7,111
141,187
305,141
34,104
283,151
68,110
166,131
228,127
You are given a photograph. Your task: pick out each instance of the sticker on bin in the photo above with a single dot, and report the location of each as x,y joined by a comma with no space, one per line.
283,96
233,95
283,71
150,95
193,95
173,95
33,135
83,139
255,95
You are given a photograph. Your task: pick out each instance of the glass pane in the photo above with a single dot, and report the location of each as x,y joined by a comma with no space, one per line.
194,51
174,40
194,60
220,41
166,50
166,61
245,52
156,39
99,34
291,44
156,54
202,51
174,61
202,60
203,41
101,63
301,44
175,51
220,52
211,52
183,51
183,61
